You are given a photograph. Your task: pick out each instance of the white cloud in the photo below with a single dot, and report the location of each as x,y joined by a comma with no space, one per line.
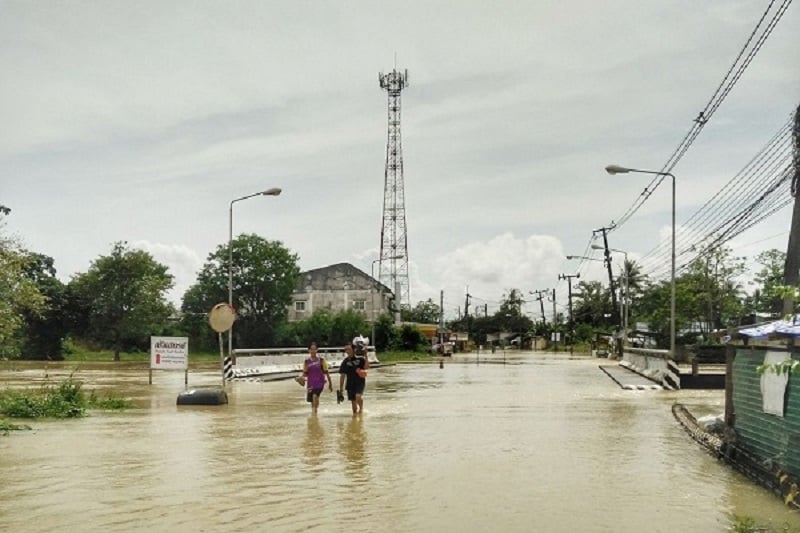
140,128
502,263
183,263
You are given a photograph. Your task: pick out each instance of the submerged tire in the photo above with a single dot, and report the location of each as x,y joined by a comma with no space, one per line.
203,397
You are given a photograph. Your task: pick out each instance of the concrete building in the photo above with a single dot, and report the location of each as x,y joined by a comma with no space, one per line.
336,288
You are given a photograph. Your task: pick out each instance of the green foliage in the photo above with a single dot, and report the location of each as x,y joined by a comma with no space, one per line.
709,293
20,298
264,275
411,339
122,298
770,280
44,330
746,524
511,304
325,328
507,319
335,329
784,367
426,312
64,400
109,403
593,305
584,333
385,333
6,427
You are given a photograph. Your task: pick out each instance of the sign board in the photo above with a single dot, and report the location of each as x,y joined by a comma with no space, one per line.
169,353
221,317
555,336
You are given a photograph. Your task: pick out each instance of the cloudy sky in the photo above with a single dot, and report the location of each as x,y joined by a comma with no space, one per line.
141,121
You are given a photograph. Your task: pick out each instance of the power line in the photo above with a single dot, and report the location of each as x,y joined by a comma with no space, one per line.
735,72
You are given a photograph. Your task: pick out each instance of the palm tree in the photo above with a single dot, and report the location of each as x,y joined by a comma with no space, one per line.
636,284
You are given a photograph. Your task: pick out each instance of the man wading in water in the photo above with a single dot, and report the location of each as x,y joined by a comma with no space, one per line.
353,375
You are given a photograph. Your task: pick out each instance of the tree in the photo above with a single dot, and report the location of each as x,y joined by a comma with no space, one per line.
123,296
711,296
509,317
770,280
45,328
324,327
654,308
385,333
592,305
426,312
20,297
410,338
264,275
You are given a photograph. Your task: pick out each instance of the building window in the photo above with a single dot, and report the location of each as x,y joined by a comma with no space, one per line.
300,305
360,305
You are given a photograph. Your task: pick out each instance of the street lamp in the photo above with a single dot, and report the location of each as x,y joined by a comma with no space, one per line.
583,257
274,191
625,302
616,169
372,275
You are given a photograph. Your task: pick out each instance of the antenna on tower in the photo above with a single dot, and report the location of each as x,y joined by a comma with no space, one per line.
393,270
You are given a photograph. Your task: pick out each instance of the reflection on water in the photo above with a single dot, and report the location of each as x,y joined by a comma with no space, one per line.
352,444
314,444
546,442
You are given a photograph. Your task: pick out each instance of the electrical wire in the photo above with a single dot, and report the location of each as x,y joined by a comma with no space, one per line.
735,72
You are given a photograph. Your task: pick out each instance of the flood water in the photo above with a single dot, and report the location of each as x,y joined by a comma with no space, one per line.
544,442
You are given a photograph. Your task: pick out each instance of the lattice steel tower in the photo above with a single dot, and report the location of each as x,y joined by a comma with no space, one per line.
393,271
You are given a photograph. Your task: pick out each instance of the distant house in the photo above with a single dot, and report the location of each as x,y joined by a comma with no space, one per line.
336,288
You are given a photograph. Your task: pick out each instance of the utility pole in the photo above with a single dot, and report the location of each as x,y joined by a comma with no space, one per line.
441,319
466,315
791,268
607,254
569,277
540,296
555,320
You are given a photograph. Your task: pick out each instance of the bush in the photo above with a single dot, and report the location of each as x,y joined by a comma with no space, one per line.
66,400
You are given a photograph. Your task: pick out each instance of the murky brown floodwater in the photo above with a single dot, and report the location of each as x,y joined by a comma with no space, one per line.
547,443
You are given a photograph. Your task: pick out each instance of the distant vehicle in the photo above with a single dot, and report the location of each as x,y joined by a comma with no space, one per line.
444,348
602,347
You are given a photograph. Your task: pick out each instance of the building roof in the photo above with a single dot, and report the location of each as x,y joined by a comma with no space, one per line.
787,328
333,277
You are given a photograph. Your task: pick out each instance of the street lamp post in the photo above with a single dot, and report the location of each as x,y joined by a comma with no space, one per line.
624,302
372,275
616,169
274,191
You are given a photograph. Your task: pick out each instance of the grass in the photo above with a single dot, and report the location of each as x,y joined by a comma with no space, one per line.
746,524
7,427
63,400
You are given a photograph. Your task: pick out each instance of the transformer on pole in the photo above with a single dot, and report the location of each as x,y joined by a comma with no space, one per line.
393,269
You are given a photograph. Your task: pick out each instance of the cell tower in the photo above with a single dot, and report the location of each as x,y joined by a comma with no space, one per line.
393,271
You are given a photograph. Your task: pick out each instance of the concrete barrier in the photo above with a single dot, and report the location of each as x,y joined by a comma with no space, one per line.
654,365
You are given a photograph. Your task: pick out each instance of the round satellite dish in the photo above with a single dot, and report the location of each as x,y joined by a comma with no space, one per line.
221,317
